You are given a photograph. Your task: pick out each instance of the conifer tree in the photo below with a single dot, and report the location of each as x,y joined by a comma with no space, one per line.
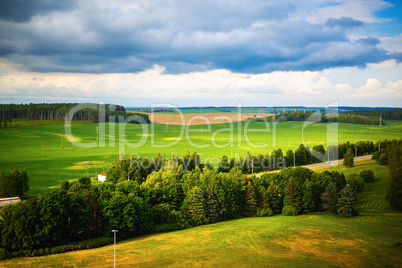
346,202
293,196
211,207
197,205
251,200
330,198
348,158
308,197
394,196
273,196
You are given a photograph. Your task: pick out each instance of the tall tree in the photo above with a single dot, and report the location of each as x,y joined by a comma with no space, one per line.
394,196
197,205
330,198
251,200
292,195
348,158
346,202
308,197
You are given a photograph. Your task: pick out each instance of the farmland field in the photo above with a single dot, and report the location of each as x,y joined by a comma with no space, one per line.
199,119
315,240
22,147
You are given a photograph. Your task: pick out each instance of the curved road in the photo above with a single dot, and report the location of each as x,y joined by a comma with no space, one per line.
336,162
325,164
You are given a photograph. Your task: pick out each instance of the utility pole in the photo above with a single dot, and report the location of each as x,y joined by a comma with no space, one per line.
294,159
97,134
328,154
114,232
356,151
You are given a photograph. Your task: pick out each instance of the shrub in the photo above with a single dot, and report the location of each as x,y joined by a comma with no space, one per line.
3,254
87,244
166,227
355,182
264,212
367,175
289,211
376,155
383,159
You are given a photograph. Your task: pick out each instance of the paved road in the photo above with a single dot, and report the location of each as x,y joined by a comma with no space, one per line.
325,164
336,162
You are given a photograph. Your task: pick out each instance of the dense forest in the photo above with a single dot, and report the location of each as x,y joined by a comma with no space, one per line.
61,111
168,200
387,114
349,117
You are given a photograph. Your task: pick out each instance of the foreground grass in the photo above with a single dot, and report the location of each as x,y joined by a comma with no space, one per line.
279,241
313,240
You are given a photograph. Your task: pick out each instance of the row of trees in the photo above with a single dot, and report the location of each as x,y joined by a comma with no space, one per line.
140,169
386,114
391,155
60,111
349,117
165,201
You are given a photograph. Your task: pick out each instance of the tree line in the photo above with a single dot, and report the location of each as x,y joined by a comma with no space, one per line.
349,117
170,200
391,154
386,114
60,111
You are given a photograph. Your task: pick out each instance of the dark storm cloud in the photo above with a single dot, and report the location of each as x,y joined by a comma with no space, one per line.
183,36
24,10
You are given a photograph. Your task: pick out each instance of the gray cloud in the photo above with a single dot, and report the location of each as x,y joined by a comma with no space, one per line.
24,10
183,36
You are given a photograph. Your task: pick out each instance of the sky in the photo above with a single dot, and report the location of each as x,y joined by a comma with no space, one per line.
202,53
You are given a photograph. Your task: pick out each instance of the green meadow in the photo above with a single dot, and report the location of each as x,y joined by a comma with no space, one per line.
310,240
50,157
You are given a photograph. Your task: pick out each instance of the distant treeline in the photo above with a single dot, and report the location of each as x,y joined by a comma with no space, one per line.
349,117
388,114
60,111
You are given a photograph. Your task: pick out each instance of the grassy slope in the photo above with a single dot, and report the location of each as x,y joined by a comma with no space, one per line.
22,147
279,241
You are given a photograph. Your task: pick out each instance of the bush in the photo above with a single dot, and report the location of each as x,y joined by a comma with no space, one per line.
355,182
376,155
166,227
289,211
264,212
87,244
383,159
367,175
3,254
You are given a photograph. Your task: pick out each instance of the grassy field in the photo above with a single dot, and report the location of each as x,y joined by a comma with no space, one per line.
22,147
312,240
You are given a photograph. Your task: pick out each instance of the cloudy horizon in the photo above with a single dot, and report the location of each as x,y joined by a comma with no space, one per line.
202,53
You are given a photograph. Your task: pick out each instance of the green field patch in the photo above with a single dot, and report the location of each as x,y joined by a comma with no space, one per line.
22,147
